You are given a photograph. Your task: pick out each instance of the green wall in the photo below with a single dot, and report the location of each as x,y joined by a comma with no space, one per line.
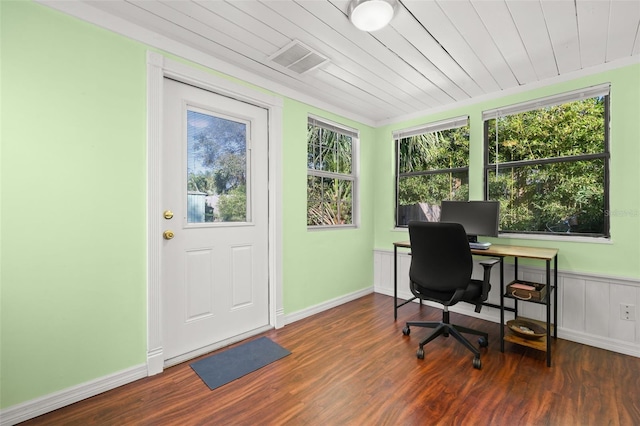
322,264
73,196
620,257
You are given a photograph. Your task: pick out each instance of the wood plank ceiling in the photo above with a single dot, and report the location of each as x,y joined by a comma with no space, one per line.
433,54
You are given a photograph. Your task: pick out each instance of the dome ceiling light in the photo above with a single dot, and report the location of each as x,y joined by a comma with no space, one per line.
371,15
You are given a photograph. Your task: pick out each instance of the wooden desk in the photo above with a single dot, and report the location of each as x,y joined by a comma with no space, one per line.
501,251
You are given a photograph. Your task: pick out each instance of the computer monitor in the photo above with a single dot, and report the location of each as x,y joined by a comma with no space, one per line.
479,218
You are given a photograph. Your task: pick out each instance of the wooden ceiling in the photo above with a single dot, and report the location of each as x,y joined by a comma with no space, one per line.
432,55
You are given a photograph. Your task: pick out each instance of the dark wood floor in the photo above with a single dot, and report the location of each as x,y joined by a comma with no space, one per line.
351,365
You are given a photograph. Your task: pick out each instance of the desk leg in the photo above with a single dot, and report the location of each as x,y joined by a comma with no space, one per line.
549,314
555,297
395,282
501,304
515,277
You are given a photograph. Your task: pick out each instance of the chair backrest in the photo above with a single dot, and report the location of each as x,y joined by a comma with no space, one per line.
440,256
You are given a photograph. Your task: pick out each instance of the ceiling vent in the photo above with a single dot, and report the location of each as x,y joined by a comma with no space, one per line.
298,57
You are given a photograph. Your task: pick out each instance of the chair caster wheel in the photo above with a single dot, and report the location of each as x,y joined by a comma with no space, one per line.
477,364
406,330
483,342
420,353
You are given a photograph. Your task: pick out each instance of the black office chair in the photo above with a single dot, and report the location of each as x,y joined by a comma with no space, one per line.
441,267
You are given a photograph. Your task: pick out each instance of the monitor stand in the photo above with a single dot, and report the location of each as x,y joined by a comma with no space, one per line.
474,244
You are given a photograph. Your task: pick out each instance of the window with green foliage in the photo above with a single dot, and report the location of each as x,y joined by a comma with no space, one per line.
331,174
546,161
432,164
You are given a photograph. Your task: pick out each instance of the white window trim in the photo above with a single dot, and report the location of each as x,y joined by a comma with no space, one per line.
562,98
574,238
447,124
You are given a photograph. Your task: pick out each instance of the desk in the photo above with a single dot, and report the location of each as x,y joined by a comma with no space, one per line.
501,251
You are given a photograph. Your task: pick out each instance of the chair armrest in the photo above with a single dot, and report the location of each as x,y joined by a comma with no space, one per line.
486,285
489,262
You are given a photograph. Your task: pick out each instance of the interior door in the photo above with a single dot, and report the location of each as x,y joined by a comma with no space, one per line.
215,207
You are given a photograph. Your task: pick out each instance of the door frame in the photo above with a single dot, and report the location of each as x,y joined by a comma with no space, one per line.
159,67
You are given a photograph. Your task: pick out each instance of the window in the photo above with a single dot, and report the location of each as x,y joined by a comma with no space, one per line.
547,162
432,164
217,159
331,174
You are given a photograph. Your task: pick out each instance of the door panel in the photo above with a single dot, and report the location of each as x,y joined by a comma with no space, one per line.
241,276
215,182
198,292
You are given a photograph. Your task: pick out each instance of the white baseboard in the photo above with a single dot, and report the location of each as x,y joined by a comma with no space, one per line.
280,318
36,407
297,316
601,342
155,362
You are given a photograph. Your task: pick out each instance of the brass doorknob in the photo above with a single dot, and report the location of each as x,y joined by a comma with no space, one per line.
168,235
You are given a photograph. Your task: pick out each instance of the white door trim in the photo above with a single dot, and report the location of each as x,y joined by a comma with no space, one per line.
159,67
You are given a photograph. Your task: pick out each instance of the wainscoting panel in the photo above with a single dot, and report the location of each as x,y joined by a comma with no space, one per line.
588,305
573,293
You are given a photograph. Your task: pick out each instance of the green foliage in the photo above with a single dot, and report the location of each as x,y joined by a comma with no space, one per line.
433,188
230,172
563,130
201,182
328,151
329,199
564,196
441,150
232,206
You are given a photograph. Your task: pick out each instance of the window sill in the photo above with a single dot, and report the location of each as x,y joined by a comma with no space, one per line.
568,238
542,237
330,227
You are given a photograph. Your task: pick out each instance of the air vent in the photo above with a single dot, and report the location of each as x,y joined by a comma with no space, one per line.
298,57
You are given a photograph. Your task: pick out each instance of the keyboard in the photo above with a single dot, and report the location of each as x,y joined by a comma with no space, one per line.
479,246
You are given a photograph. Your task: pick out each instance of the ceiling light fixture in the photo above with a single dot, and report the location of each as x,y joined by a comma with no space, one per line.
371,15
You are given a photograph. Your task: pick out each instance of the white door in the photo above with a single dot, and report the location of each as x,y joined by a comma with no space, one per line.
214,279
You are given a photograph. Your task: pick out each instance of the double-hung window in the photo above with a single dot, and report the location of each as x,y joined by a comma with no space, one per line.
332,182
547,162
432,164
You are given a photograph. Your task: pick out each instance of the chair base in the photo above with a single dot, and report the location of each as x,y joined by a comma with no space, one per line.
445,328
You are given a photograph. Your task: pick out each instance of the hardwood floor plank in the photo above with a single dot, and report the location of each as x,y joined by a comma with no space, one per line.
351,365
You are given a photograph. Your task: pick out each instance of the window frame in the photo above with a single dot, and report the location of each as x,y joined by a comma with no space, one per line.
353,177
532,105
446,124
